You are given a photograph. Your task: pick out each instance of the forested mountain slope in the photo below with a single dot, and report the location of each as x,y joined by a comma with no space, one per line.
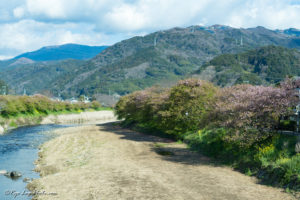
162,57
265,65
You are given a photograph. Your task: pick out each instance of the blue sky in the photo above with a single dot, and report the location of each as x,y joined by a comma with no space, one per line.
27,25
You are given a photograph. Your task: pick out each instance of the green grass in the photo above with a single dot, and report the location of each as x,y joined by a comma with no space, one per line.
164,152
248,172
159,145
274,160
13,124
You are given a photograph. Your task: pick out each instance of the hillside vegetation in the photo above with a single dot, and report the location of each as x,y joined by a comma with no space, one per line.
265,65
38,77
159,58
237,125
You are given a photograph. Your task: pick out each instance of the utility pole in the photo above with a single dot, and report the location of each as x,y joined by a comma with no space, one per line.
297,146
193,29
298,111
241,40
4,89
155,41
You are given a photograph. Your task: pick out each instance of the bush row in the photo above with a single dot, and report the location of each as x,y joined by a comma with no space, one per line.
11,106
251,113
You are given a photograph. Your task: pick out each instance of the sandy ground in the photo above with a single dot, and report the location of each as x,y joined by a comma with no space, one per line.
107,162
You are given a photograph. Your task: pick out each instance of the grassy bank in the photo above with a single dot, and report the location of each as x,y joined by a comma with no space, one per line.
18,111
274,160
237,125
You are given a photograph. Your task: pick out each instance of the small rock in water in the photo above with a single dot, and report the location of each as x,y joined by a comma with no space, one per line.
27,180
13,174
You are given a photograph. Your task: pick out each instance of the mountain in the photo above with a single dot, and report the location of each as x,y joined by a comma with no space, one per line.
290,31
62,52
162,58
265,65
39,76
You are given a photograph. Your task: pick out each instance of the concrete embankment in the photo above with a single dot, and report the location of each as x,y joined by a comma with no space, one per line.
81,118
12,123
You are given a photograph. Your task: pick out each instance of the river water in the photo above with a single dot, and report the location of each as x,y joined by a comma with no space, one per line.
18,151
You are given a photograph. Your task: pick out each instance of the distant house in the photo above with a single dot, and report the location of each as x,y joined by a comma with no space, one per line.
57,99
86,99
73,100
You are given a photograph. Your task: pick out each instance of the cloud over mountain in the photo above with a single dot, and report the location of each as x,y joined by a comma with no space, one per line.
30,24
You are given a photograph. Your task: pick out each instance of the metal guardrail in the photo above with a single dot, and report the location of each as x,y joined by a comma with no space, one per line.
293,133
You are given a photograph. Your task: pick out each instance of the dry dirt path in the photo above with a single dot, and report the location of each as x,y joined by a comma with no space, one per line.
107,162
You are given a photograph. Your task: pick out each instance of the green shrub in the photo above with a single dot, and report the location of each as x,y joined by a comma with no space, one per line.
187,107
212,142
12,106
176,111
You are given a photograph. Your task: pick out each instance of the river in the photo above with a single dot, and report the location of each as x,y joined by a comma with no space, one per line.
18,151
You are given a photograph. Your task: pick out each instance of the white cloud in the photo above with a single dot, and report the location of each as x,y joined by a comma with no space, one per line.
29,35
29,24
51,9
132,15
19,12
4,15
271,14
71,10
3,57
125,18
153,14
